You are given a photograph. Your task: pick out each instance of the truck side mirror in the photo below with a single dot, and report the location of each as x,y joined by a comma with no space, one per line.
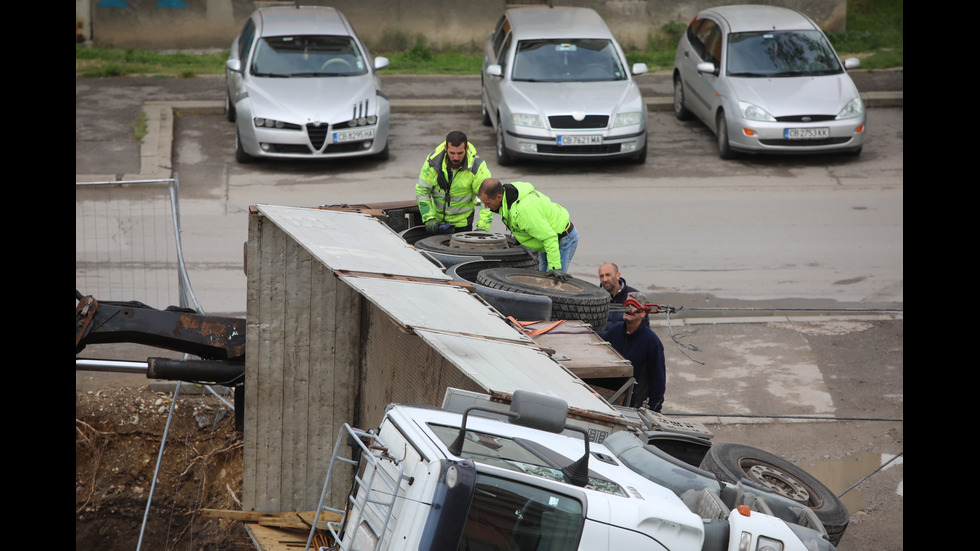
538,411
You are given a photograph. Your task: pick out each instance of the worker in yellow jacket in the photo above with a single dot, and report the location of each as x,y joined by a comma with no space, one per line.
536,222
448,185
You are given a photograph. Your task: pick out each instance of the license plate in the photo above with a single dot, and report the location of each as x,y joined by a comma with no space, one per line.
579,140
806,133
353,136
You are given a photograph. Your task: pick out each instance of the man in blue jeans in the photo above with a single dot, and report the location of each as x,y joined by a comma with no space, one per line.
536,222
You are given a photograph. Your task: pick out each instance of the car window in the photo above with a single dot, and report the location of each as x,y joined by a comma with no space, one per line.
245,42
775,53
502,51
560,60
706,40
307,56
500,33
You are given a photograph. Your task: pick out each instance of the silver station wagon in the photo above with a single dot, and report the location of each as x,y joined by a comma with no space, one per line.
556,85
301,85
766,80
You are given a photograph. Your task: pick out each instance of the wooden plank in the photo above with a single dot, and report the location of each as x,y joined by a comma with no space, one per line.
581,350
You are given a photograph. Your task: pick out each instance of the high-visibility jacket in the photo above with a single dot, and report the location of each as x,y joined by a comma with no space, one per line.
451,197
535,220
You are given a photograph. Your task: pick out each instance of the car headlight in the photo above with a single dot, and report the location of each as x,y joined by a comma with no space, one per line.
854,108
526,119
753,112
261,122
628,119
768,544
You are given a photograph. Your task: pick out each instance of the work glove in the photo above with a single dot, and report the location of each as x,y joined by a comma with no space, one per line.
558,275
432,226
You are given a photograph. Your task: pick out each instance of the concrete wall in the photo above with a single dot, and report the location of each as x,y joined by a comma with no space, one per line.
197,24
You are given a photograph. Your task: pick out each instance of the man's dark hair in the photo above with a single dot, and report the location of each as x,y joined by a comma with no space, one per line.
455,138
492,187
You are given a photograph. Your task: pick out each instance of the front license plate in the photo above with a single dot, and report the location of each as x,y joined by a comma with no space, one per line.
353,136
579,140
806,133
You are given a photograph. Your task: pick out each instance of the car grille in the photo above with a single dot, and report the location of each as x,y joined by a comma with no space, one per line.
318,134
806,118
604,149
567,121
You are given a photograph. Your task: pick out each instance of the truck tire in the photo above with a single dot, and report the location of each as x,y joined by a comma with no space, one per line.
488,245
732,462
574,299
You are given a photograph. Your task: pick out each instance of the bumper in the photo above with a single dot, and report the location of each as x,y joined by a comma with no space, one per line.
771,137
555,144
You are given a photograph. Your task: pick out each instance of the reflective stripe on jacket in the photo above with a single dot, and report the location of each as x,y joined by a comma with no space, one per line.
534,220
452,198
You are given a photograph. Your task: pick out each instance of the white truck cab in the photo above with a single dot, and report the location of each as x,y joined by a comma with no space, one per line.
432,479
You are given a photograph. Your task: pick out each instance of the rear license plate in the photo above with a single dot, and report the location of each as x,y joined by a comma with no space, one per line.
580,140
806,133
353,136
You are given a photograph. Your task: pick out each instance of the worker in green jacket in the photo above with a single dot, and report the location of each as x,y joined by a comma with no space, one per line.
448,184
536,222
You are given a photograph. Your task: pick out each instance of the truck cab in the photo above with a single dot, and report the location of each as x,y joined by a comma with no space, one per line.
524,478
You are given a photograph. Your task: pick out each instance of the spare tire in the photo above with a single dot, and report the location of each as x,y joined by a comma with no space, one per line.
732,462
488,245
574,299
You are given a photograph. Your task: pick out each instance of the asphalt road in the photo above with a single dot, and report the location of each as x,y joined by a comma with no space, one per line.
823,392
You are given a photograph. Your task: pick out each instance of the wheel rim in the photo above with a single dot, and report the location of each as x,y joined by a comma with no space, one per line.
780,481
500,139
479,240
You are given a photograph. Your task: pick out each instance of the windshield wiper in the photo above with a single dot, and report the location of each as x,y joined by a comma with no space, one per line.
271,75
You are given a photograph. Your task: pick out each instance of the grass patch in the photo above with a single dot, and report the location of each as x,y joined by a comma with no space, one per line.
874,33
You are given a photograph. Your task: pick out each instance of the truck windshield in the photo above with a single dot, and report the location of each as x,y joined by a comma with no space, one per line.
515,455
509,515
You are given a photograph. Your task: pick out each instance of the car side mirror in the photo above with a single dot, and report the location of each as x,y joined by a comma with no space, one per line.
640,68
380,63
494,70
852,63
707,67
234,65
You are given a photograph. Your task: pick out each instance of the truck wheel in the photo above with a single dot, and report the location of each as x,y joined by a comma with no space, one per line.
575,299
732,462
488,245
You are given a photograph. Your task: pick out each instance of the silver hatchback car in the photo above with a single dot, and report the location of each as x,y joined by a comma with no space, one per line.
301,85
765,79
555,84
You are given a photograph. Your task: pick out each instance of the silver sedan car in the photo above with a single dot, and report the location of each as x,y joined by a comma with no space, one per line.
556,85
765,79
301,85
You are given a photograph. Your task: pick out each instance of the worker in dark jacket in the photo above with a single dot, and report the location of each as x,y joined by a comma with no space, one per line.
536,222
612,281
636,342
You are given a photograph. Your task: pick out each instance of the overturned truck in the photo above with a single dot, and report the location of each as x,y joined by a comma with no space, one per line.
346,318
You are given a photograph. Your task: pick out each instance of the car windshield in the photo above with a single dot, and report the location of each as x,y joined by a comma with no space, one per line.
307,56
780,54
581,60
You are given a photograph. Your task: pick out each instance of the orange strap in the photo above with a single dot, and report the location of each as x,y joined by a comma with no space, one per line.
523,326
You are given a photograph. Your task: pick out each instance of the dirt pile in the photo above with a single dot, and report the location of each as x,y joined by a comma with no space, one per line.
117,442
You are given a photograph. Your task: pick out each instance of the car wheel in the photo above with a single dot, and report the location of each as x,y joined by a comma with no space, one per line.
680,111
573,299
732,462
240,155
229,109
503,156
725,150
487,245
483,107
